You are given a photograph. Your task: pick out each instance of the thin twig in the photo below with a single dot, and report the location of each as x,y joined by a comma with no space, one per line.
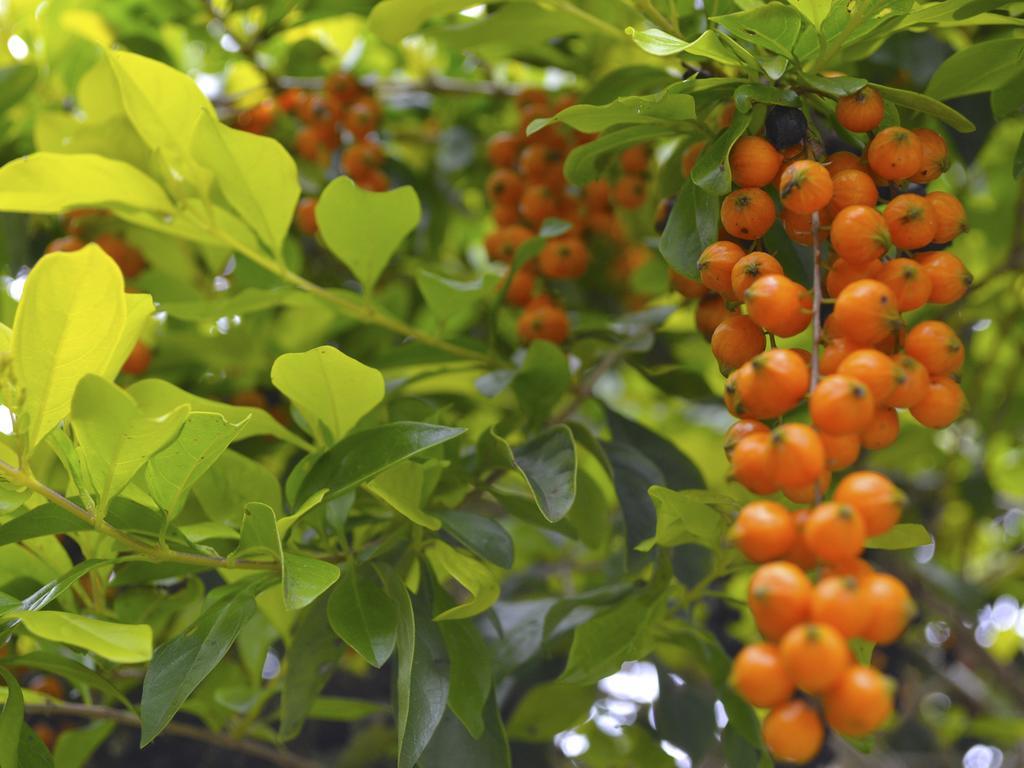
274,755
587,384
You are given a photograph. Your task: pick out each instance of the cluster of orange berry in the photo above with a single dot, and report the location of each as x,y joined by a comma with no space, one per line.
884,262
337,124
85,225
527,187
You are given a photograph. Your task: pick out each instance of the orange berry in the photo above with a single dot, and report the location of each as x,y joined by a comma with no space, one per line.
48,684
860,702
779,305
503,243
858,567
942,404
891,605
138,360
859,234
748,213
805,494
305,216
46,732
949,278
840,602
741,429
758,676
935,346
375,180
875,369
691,289
538,203
875,497
504,187
361,158
597,194
805,186
793,732
840,450
842,272
66,243
882,431
749,268
911,382
797,454
861,111
543,319
502,150
520,287
564,258
363,116
895,154
841,405
950,216
908,281
128,259
911,222
505,215
754,162
866,311
753,466
814,656
689,157
635,159
711,311
716,264
853,187
735,341
537,160
764,530
835,532
933,156
834,352
799,554
779,597
778,380
843,161
630,191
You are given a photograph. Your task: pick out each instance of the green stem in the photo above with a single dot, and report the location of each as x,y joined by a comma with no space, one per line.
570,7
155,554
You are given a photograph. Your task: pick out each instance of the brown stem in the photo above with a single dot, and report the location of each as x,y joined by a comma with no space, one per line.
273,755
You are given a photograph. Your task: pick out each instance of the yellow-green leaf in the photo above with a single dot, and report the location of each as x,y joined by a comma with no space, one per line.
138,306
479,580
122,643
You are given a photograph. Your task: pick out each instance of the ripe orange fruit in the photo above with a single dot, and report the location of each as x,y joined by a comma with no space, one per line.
911,382
138,360
715,266
892,608
779,597
895,153
859,568
875,369
764,530
363,116
843,161
779,305
128,259
759,677
305,216
635,159
360,159
950,216
741,429
859,234
754,162
806,494
882,431
860,702
536,161
875,497
503,243
805,186
375,180
630,190
48,684
911,222
793,732
505,215
933,155
503,187
564,258
814,656
839,602
942,404
835,532
502,150
735,341
691,289
799,554
753,465
841,405
949,278
749,268
597,194
711,311
908,281
543,319
538,203
833,353
866,312
778,379
853,187
66,243
840,450
748,213
520,286
842,272
861,111
935,346
797,454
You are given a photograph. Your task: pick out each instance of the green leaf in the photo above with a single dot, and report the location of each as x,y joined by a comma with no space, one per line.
57,343
76,746
927,105
711,172
475,577
123,643
15,82
470,675
233,481
10,721
978,68
542,379
364,229
815,11
391,20
340,709
709,46
757,93
246,302
157,396
172,472
362,615
258,534
685,715
548,464
70,669
1018,160
692,226
310,662
49,182
683,518
364,454
44,520
548,709
401,488
180,665
837,87
482,535
774,27
328,387
453,743
901,536
584,163
305,579
116,438
588,118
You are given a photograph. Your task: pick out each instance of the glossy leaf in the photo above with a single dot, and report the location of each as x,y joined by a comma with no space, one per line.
548,464
682,519
308,670
475,577
44,520
711,172
123,643
401,488
362,615
10,721
482,535
585,162
919,102
692,226
305,579
774,27
589,118
982,66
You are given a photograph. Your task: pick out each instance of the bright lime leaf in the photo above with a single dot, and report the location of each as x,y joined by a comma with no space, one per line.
901,536
364,229
589,118
392,20
44,520
401,487
116,438
259,532
15,82
479,580
123,643
708,46
362,615
56,343
139,307
328,386
305,579
815,11
775,27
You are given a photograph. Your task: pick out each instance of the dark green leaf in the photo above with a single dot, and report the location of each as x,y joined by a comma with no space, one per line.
482,535
470,674
65,667
685,715
453,745
361,614
691,563
76,746
1018,160
308,667
32,753
774,26
664,107
711,172
542,379
585,162
548,709
627,81
747,95
548,464
692,226
44,520
10,720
